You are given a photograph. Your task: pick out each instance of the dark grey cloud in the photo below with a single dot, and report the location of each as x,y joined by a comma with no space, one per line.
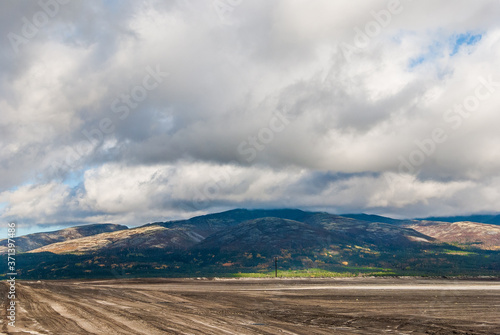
137,111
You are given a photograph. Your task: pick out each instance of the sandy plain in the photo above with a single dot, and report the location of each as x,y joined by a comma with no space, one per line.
255,306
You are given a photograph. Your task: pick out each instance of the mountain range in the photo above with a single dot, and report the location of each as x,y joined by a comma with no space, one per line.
247,241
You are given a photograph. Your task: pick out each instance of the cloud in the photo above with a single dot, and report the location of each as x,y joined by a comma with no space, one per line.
303,104
134,195
40,202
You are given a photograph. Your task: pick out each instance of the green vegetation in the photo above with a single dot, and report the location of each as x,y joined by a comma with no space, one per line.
318,273
312,273
347,262
459,252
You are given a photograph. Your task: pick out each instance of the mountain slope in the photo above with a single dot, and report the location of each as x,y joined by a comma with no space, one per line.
180,234
375,218
269,234
38,240
478,235
232,230
208,224
380,235
142,238
248,240
489,219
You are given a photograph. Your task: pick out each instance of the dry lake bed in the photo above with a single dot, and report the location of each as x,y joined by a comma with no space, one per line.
255,306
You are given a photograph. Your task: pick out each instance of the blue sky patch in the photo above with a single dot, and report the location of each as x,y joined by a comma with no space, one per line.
436,49
74,179
416,61
464,40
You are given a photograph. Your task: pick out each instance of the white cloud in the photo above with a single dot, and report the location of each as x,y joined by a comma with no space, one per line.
42,203
350,119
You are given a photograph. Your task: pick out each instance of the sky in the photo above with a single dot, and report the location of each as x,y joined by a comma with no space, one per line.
131,112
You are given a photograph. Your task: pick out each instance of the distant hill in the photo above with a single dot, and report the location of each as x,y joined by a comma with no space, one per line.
180,234
208,224
490,219
378,234
471,234
374,218
246,229
149,237
244,240
268,234
37,240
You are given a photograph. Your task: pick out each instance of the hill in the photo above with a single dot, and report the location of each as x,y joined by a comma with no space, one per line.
377,234
374,218
38,240
211,223
489,219
241,240
149,237
267,235
469,234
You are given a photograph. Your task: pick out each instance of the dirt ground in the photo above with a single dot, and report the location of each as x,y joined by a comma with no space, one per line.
253,306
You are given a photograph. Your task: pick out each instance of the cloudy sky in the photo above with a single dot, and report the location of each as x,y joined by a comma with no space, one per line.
139,111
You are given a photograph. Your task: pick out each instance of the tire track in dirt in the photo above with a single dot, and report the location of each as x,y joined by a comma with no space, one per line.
93,317
3,303
240,307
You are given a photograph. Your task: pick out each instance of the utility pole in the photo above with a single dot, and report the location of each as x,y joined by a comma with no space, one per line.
276,267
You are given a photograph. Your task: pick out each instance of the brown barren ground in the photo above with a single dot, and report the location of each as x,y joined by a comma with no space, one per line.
255,306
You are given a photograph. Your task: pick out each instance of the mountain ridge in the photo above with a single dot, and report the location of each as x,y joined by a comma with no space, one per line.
479,218
36,240
249,240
